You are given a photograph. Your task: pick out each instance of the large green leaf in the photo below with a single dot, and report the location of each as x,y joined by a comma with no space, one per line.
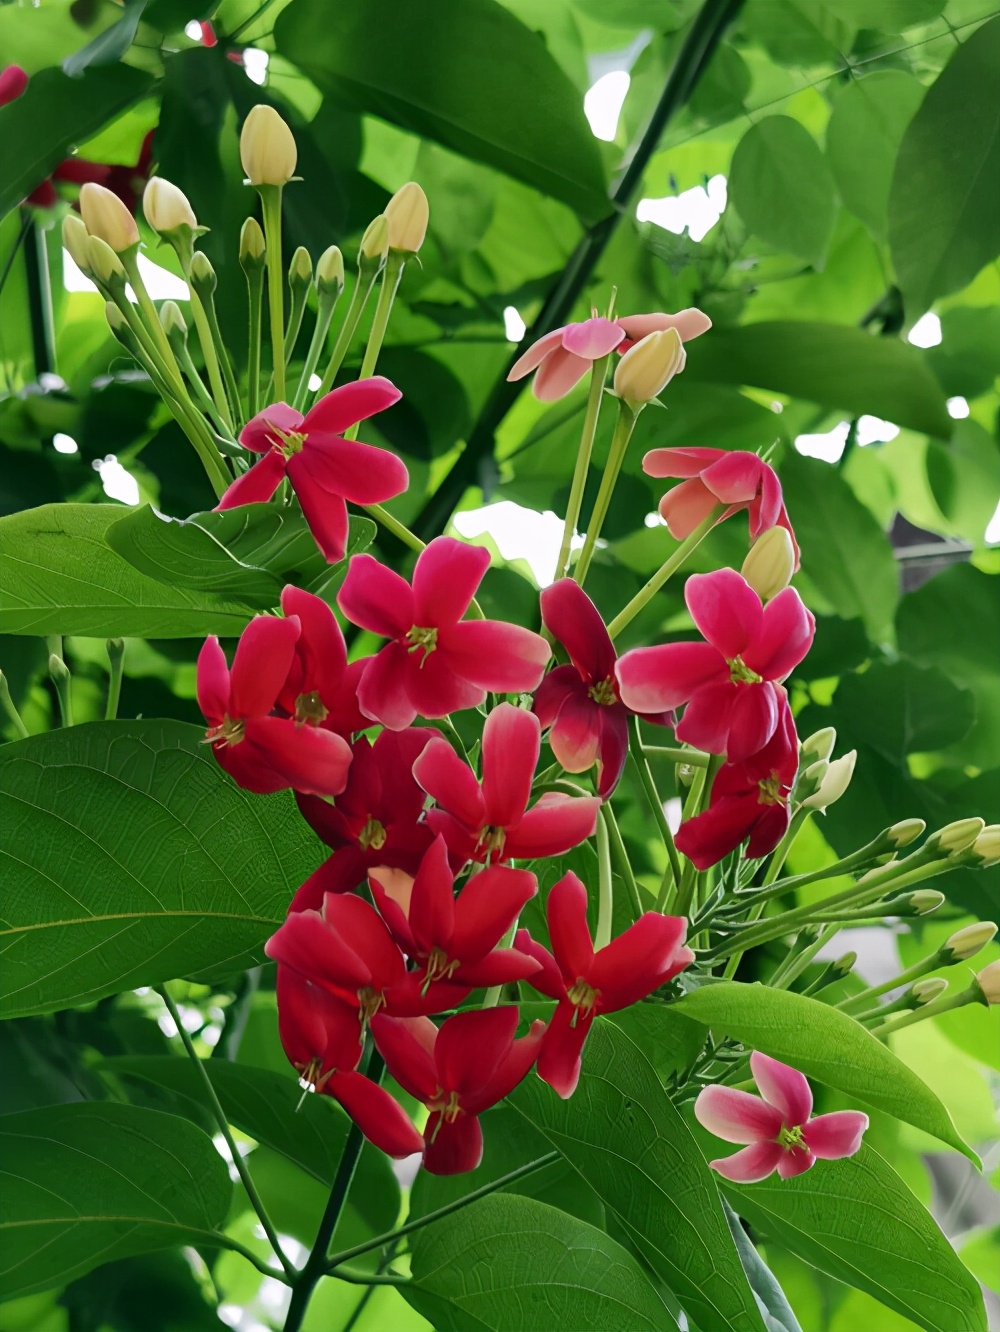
781,186
513,1264
903,709
777,1310
623,1135
129,857
836,366
482,84
856,1220
88,1183
61,577
826,1044
944,224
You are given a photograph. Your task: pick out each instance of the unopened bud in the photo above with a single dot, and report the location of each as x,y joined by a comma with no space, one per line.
986,847
203,277
968,941
104,263
846,963
809,780
300,269
76,239
374,245
925,900
116,320
267,148
988,981
252,247
835,782
330,272
819,745
171,318
769,566
876,870
105,216
407,213
955,836
167,207
686,773
906,831
926,991
648,367
58,669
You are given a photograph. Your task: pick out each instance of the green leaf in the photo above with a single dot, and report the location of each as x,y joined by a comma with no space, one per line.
825,1044
623,1135
110,45
873,111
781,186
39,129
61,577
967,359
513,1264
129,858
856,1220
944,224
777,1310
88,1183
905,709
481,84
839,367
846,554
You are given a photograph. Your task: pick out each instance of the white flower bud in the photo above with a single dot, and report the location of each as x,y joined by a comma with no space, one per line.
300,269
252,245
968,941
648,367
835,782
769,566
926,991
819,745
267,148
375,242
202,273
407,213
104,263
75,239
988,981
116,320
906,831
166,207
171,319
106,217
330,272
925,900
986,847
955,836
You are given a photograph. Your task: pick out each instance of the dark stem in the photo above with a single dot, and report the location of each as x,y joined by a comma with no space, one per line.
36,269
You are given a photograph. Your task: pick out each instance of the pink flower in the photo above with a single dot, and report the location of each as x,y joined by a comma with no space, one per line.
646,956
749,799
13,81
491,822
436,662
261,752
729,682
321,689
738,479
690,323
580,703
324,468
776,1124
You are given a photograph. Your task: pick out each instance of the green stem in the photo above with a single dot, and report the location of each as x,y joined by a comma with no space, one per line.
598,375
693,758
773,870
394,526
697,802
666,571
797,961
637,755
621,856
225,1242
605,886
324,316
219,1114
130,262
627,417
929,1010
270,196
232,392
116,663
359,299
913,973
202,399
7,703
255,300
392,275
299,296
204,331
60,675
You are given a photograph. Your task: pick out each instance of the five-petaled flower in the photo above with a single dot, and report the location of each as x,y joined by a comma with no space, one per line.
491,822
324,469
437,662
457,1071
585,982
776,1125
321,688
729,683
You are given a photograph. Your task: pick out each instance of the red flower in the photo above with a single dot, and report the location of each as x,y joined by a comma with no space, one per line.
749,799
323,468
13,81
492,821
728,683
580,703
374,821
459,1071
260,752
436,662
322,687
322,1038
586,983
453,938
735,478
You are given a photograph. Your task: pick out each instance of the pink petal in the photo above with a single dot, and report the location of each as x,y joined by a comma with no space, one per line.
560,684
562,1048
783,1087
436,689
785,636
736,1116
553,826
593,338
752,722
261,432
452,1149
735,478
768,830
311,760
486,908
462,841
445,579
471,1044
612,750
710,836
213,681
326,514
656,679
407,1046
499,967
494,655
535,354
349,404
560,372
358,472
690,323
511,742
576,734
767,510
548,980
443,775
635,963
708,716
686,506
795,1162
566,913
321,654
569,614
726,609
750,1165
382,691
377,1114
257,485
261,664
836,1135
375,598
679,462
432,903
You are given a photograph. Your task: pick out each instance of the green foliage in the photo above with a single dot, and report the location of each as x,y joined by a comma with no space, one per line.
782,188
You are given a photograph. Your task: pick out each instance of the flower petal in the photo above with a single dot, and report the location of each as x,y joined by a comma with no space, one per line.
436,689
382,693
340,873
548,979
361,473
592,338
736,1116
399,798
726,609
471,1045
833,1136
346,406
261,432
257,485
443,775
432,901
487,907
499,967
708,717
261,664
576,733
452,1148
407,1046
785,636
710,836
612,749
306,944
377,1114
535,354
656,679
753,720
690,323
634,964
558,685
795,1162
736,477
509,1072
750,1165
376,598
325,513
213,681
686,506
566,914
783,1087
554,825
446,577
320,653
310,759
511,742
560,372
493,655
679,462
562,1048
569,614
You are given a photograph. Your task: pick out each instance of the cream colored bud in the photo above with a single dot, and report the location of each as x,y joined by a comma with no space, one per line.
648,367
988,981
809,780
407,213
375,242
835,782
968,941
202,273
904,832
267,148
116,320
925,900
171,319
75,239
955,836
300,270
986,847
819,745
252,246
105,216
166,207
104,263
769,566
926,991
330,272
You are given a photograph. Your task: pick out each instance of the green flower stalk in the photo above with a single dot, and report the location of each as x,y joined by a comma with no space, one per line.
252,259
60,676
598,376
329,288
371,260
10,708
203,284
299,283
116,667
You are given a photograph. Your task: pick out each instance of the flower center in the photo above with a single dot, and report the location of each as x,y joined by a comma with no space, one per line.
309,709
371,1001
584,997
312,1075
740,672
230,731
422,638
770,791
438,968
491,842
372,835
791,1138
445,1105
288,442
604,693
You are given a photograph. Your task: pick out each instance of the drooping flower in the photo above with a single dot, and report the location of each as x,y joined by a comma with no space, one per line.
749,799
322,686
735,478
491,821
261,752
374,820
324,469
729,683
458,1071
455,938
776,1125
644,957
322,1038
689,323
436,662
580,703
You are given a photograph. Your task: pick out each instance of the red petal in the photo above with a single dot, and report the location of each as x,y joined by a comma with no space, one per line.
382,692
501,967
358,927
511,742
407,1046
392,891
710,836
342,872
708,717
443,775
375,598
785,636
753,721
471,1045
656,679
560,684
735,478
512,1068
635,963
569,614
250,769
446,577
310,760
768,831
452,1149
679,462
261,664
795,1162
325,514
486,908
462,842
566,913
783,1087
432,904
751,1165
736,1116
213,681
257,485
575,736
320,652
554,825
767,509
313,1024
349,404
261,432
494,655
548,980
378,1115
435,689
613,749
306,944
562,1047
726,609
558,374
359,472
833,1136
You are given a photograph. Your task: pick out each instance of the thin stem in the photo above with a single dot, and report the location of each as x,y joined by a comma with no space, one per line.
913,973
62,680
394,526
255,300
627,417
598,375
299,295
324,315
130,262
368,1278
202,398
359,299
392,275
694,758
493,995
638,757
773,870
232,392
621,856
944,1005
220,1118
605,886
271,200
796,962
7,703
204,331
116,665
666,571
